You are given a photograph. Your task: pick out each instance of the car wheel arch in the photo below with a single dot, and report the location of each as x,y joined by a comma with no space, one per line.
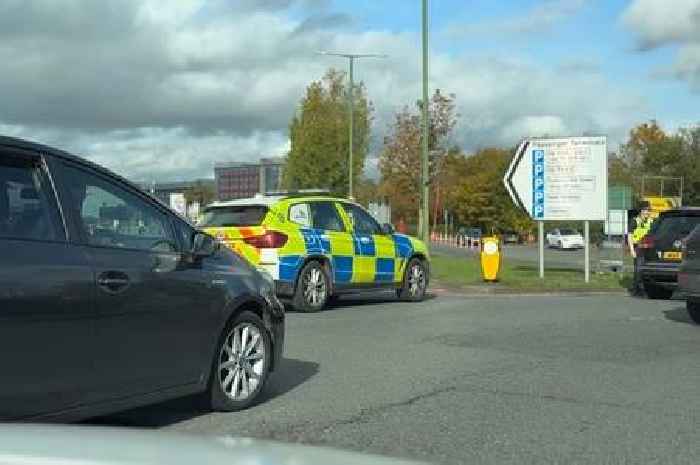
327,264
247,303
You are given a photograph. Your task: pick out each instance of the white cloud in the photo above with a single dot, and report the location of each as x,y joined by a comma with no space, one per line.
167,93
657,24
541,18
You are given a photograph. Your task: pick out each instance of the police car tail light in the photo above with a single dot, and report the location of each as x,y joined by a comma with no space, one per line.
647,242
269,240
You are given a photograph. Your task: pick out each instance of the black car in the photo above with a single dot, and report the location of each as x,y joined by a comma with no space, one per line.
689,274
660,251
109,300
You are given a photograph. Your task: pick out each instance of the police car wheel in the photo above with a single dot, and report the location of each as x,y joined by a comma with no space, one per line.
693,308
415,282
311,293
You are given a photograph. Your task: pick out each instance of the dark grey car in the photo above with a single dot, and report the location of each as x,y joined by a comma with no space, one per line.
109,300
689,274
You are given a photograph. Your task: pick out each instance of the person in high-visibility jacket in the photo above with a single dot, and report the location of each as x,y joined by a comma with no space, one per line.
643,226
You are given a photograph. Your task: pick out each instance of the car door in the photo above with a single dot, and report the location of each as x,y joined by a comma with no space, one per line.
151,308
691,263
553,237
365,233
335,240
47,314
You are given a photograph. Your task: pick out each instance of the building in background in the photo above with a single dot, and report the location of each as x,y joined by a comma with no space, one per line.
162,190
240,180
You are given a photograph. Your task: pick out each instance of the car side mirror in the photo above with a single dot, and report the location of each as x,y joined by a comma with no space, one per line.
388,229
203,245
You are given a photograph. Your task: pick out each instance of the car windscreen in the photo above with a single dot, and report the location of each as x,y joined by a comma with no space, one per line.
568,232
674,226
238,215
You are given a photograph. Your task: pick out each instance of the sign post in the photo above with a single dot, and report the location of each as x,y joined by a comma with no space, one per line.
562,179
540,246
587,250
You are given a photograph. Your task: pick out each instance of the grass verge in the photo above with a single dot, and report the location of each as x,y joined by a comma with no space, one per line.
463,271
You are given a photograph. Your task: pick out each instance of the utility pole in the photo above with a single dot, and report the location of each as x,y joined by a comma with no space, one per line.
351,106
424,178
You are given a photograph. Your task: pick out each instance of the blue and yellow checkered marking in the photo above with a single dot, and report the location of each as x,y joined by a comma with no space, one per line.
381,261
342,269
384,270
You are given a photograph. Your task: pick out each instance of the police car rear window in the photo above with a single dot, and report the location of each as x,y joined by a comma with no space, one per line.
239,215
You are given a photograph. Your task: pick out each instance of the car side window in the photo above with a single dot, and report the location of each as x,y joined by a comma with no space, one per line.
300,214
325,216
185,234
28,208
111,216
362,222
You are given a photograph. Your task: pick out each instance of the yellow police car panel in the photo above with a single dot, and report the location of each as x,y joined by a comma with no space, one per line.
316,247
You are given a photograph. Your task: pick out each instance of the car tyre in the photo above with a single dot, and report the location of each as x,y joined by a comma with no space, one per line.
415,282
239,372
655,292
693,308
312,291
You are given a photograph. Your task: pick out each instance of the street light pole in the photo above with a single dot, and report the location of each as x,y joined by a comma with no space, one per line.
424,191
351,107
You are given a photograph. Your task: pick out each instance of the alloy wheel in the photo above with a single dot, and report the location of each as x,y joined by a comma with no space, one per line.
314,286
416,280
242,361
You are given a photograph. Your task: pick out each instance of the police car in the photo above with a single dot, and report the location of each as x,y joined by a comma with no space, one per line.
317,247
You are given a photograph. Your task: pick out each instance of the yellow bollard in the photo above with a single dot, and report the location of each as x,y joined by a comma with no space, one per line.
490,258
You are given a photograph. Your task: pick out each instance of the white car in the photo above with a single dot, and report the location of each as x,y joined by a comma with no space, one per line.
565,239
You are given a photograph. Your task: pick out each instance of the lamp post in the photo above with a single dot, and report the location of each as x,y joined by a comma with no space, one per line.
424,207
351,97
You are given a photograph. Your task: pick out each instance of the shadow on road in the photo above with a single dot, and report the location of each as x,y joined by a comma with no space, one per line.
350,301
679,314
290,374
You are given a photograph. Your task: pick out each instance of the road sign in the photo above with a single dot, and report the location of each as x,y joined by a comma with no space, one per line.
560,179
178,203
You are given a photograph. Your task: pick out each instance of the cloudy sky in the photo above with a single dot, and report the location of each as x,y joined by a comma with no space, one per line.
165,88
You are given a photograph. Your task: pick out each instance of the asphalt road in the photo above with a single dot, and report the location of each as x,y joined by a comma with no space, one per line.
492,380
553,258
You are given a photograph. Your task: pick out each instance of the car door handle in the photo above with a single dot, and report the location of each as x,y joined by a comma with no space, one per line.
113,281
364,240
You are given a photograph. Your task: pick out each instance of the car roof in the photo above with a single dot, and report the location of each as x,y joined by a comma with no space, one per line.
269,200
683,211
261,200
22,144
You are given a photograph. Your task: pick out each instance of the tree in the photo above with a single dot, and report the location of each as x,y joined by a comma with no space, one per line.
480,199
652,152
399,162
200,192
366,191
319,136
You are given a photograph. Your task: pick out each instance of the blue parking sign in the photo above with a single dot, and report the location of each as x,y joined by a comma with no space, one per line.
538,183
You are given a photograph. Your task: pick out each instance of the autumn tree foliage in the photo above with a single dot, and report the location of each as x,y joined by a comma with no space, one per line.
319,136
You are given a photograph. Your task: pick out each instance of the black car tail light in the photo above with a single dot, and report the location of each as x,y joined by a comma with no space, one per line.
647,242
